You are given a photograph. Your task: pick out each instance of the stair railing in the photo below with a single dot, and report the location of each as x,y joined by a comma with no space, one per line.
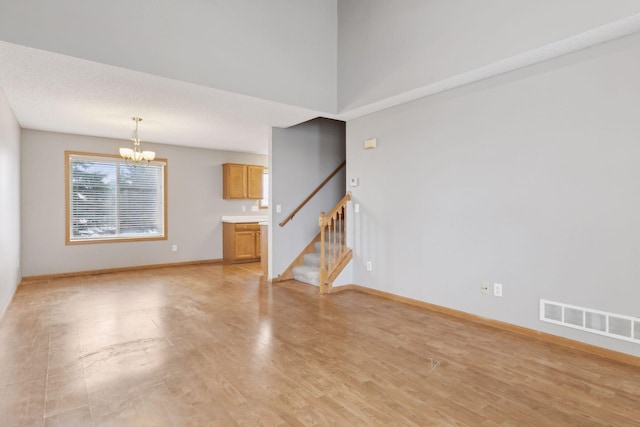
334,253
313,193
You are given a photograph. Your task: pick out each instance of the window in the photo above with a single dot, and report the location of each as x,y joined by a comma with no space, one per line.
264,202
109,201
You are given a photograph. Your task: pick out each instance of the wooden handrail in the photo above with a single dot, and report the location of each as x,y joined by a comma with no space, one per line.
338,206
313,193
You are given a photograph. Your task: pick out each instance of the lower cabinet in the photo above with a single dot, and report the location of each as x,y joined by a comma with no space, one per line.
240,242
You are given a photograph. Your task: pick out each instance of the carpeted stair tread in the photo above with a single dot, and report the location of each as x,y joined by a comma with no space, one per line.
310,271
307,274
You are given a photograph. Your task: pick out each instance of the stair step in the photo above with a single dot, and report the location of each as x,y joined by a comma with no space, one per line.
312,259
328,246
307,274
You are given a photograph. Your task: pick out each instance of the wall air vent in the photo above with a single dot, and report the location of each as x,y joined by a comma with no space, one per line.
617,326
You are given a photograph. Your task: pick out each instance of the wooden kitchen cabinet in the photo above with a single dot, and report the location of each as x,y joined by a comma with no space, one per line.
254,181
241,181
240,242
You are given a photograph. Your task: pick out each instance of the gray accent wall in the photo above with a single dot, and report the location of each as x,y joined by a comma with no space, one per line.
529,179
280,50
389,47
301,157
195,206
10,266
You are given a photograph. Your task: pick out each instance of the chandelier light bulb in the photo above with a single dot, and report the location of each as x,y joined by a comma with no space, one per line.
135,156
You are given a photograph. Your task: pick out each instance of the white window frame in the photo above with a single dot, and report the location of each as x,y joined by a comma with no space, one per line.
106,158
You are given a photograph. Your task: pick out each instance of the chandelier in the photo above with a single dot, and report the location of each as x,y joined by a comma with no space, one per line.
134,157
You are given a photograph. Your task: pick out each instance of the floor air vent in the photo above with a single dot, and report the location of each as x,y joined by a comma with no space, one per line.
618,326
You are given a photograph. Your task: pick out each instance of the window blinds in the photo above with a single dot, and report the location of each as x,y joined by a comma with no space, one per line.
110,200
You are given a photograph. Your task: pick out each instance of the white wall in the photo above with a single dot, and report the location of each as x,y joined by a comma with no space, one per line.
529,179
301,157
195,206
390,47
280,50
10,270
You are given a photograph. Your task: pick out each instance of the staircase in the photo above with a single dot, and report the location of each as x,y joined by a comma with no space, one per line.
323,259
309,272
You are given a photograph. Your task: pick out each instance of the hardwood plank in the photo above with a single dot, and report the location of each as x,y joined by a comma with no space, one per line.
604,352
218,345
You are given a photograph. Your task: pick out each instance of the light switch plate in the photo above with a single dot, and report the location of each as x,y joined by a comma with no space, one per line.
354,182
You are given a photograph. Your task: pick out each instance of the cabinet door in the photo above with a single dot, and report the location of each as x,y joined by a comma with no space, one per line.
235,184
254,182
244,245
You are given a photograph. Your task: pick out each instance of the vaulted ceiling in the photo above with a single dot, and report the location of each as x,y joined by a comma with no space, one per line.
220,74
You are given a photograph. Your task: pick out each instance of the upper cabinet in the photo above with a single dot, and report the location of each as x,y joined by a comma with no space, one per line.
254,181
241,181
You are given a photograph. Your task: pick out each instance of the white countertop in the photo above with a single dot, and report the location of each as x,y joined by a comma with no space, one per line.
244,218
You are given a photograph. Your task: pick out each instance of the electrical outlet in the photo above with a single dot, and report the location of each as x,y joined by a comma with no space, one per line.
278,208
369,266
244,208
497,289
254,209
484,288
356,207
174,248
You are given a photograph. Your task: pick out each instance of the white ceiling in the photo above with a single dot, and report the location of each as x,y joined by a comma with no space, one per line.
53,92
59,93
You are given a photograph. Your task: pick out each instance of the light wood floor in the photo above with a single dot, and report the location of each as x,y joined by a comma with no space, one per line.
216,345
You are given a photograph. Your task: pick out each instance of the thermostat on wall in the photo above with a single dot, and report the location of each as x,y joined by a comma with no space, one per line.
370,143
354,182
